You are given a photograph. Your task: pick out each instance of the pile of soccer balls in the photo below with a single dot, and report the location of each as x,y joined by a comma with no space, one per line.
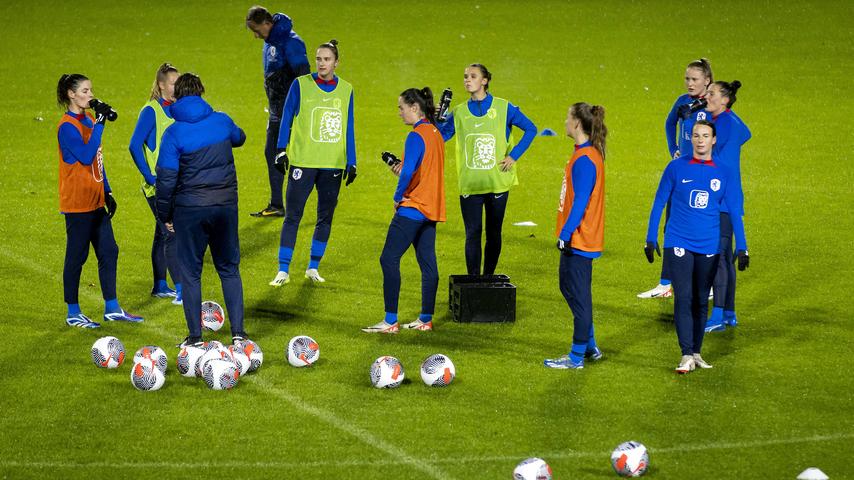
218,365
436,371
629,459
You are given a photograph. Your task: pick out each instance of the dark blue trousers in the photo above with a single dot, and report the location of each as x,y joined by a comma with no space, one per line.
196,228
575,275
402,233
692,275
473,207
277,180
163,251
300,184
725,275
81,230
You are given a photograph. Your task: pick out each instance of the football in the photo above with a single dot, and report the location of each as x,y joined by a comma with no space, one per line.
302,351
220,374
438,371
153,353
532,469
630,459
239,357
108,352
213,316
146,375
387,372
187,358
253,351
216,353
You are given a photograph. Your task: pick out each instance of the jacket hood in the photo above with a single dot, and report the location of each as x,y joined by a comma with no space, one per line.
190,109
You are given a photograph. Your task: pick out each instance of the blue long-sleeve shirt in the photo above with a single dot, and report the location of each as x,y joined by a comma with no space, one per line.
145,134
583,180
413,154
679,130
75,150
291,110
515,117
285,59
731,134
696,190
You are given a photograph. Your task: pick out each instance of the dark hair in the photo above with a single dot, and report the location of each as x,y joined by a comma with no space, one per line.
162,71
706,67
592,118
706,123
258,15
68,82
423,98
728,90
332,45
484,72
188,84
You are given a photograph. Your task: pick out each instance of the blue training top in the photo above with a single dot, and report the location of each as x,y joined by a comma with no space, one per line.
583,181
145,133
74,149
679,130
696,190
731,134
515,117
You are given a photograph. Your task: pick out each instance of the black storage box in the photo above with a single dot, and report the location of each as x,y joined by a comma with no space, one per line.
482,298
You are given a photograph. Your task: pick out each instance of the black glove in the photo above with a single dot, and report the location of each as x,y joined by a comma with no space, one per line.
349,175
743,260
390,159
564,247
110,204
102,110
649,248
281,161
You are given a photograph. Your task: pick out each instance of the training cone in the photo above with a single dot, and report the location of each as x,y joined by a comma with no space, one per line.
813,473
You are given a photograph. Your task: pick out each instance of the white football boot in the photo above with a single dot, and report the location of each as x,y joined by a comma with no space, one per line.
686,365
281,279
312,275
698,361
660,291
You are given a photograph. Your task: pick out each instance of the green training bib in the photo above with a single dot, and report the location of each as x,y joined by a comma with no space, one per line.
481,146
161,121
319,131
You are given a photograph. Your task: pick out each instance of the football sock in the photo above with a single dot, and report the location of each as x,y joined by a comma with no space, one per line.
317,251
390,318
577,352
161,286
112,306
285,256
717,315
425,317
178,289
664,282
729,314
591,343
73,309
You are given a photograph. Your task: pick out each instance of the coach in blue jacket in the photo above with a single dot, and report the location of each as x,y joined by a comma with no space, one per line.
197,198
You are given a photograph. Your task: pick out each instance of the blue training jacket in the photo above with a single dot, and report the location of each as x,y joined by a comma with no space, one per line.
731,134
195,167
284,60
679,130
696,190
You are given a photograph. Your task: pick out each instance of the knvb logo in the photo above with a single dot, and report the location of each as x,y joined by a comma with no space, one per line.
699,199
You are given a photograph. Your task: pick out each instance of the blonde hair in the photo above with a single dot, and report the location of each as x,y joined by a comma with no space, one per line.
162,72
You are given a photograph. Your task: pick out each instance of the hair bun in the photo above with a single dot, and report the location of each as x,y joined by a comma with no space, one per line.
704,61
735,84
333,42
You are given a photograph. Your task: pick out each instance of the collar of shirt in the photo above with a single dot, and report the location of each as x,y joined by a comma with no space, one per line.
585,144
715,117
420,122
696,160
165,103
78,116
321,81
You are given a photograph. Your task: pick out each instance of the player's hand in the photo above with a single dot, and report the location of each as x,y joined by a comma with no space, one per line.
676,155
507,163
110,204
742,259
396,205
396,168
649,248
281,161
101,112
169,226
564,246
349,175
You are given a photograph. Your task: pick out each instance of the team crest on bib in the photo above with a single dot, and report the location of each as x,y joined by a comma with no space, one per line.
326,125
480,151
715,185
297,174
701,115
679,252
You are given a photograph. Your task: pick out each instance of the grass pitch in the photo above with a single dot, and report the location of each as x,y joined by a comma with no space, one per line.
778,400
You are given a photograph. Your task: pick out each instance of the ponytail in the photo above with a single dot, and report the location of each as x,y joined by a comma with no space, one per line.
67,82
704,66
592,119
424,99
728,90
162,72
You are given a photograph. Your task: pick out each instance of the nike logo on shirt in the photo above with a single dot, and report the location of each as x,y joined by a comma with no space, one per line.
327,99
499,196
478,125
336,174
686,181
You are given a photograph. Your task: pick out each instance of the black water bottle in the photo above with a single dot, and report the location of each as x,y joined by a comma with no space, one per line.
444,104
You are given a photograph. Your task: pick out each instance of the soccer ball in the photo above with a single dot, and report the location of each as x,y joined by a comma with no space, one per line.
239,357
211,354
532,469
630,459
187,358
438,371
387,372
302,351
220,374
108,352
153,353
146,375
212,316
253,351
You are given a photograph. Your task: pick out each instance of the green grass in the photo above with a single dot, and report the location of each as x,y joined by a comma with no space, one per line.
778,400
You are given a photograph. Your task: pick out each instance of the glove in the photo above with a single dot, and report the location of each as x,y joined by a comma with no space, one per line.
743,260
564,246
101,112
349,175
110,204
281,161
390,159
649,248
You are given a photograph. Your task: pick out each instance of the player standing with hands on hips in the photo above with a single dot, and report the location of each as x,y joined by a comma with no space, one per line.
144,147
316,150
696,186
85,199
486,163
197,197
581,228
284,60
419,202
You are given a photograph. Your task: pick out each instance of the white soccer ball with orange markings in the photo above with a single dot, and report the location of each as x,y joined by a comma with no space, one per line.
438,371
302,351
387,372
108,352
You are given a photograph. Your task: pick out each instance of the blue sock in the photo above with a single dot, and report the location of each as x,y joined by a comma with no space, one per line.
73,309
112,306
717,315
664,281
285,256
161,286
178,290
390,318
426,317
317,251
591,343
577,352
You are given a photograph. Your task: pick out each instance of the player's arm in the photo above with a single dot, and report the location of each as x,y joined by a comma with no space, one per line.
413,153
583,180
238,136
74,149
670,126
290,111
167,176
145,125
351,134
515,118
447,128
662,195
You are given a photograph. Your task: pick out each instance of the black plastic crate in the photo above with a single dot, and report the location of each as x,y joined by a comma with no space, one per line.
482,298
